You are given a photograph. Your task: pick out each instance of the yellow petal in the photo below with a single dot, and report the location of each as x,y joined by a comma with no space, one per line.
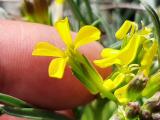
148,57
113,84
121,94
128,54
118,80
86,35
108,84
47,49
127,27
62,26
106,62
122,57
145,31
57,67
109,52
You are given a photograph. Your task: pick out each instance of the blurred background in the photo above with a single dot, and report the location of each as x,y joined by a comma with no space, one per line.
107,15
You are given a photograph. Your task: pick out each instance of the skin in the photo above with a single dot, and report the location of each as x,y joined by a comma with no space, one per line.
26,77
8,117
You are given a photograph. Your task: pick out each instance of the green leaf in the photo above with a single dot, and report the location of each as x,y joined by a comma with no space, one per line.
156,22
76,11
7,99
110,107
154,17
31,113
108,30
89,10
88,113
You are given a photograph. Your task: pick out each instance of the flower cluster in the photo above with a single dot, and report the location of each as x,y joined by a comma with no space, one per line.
132,75
133,61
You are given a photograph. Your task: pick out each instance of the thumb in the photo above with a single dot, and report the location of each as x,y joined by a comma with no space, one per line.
26,77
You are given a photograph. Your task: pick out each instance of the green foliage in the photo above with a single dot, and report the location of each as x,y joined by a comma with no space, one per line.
100,109
16,107
32,113
12,101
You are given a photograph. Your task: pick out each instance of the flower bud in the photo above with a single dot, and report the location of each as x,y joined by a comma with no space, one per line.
132,90
136,86
153,103
153,85
132,109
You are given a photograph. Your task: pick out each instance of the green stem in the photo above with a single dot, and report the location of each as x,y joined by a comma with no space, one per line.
88,75
76,11
96,22
89,10
116,45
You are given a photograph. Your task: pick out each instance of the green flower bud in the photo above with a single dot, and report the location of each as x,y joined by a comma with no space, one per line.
136,86
153,85
150,109
132,90
145,115
153,103
138,83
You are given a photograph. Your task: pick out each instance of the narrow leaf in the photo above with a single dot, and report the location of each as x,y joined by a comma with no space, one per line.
31,113
10,100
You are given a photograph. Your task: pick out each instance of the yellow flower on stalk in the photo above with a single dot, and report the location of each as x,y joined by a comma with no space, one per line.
129,31
85,35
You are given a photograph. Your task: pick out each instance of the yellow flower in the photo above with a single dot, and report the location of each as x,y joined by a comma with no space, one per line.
148,57
125,28
86,35
127,54
113,84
